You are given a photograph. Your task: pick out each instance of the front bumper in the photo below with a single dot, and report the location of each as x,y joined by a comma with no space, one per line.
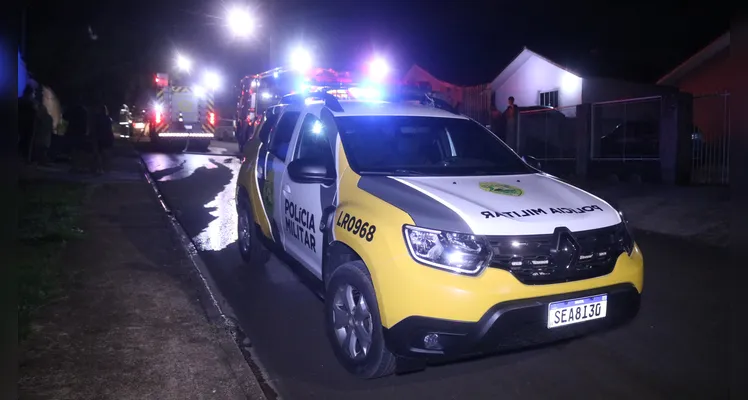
507,325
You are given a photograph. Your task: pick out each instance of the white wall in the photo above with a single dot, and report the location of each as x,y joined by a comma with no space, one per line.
537,75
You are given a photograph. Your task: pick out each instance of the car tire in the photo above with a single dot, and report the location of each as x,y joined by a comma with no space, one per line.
251,247
352,319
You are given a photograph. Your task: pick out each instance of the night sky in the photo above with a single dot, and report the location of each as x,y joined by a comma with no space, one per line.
464,42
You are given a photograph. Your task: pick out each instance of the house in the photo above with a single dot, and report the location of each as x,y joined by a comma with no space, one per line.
535,80
419,76
708,71
707,76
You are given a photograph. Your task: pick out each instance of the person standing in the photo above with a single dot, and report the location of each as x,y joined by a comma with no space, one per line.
76,134
511,118
26,117
43,127
103,139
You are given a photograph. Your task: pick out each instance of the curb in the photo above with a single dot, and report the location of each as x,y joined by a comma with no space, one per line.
236,346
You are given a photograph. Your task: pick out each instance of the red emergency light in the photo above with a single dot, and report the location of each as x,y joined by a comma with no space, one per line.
212,118
158,117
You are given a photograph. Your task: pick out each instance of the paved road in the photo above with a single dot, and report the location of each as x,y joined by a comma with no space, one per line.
675,348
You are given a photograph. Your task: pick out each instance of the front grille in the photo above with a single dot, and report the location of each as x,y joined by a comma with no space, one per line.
530,258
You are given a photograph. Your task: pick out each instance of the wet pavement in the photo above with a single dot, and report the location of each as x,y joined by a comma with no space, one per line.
675,348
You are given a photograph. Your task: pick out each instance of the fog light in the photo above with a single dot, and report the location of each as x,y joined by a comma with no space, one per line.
431,342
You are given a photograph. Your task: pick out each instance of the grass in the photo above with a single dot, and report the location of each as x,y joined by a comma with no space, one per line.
47,221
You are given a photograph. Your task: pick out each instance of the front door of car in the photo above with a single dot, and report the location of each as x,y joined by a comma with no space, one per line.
305,201
278,154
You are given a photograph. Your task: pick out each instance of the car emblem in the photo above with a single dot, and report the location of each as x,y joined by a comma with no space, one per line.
566,251
500,188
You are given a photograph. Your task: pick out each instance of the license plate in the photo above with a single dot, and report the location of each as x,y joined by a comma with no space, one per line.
188,127
567,312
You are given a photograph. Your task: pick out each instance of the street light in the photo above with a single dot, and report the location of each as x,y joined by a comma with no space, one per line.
301,60
183,63
240,22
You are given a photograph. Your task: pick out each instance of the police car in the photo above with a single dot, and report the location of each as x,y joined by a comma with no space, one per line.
432,237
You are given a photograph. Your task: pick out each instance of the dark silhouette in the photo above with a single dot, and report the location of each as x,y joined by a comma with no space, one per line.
102,138
43,127
26,117
76,136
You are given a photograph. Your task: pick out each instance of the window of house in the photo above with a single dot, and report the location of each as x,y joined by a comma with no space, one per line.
549,99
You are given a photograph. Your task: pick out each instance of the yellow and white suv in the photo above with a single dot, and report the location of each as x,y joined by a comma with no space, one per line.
431,236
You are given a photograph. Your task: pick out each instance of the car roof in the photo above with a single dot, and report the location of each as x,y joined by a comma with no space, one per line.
363,108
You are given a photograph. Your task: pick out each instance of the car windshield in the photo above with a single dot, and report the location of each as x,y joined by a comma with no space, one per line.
405,145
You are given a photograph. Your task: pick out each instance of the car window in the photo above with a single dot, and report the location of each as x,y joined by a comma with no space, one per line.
269,118
404,145
281,137
313,143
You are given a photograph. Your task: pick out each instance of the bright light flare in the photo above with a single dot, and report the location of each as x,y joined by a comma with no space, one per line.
212,80
301,60
379,69
199,91
240,22
265,95
184,63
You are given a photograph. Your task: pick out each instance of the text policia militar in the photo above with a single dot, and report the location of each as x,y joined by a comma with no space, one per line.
541,211
300,224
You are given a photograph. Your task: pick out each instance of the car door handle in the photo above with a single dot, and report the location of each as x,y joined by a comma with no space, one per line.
287,189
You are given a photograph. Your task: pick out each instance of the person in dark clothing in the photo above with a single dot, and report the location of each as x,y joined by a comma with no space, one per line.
76,135
42,134
495,121
26,118
511,118
103,138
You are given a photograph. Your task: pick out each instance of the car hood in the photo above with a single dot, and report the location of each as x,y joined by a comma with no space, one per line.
516,204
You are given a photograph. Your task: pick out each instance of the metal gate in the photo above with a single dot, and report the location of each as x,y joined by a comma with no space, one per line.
710,157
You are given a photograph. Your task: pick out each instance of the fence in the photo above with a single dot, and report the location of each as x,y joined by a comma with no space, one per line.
476,103
548,134
710,141
626,129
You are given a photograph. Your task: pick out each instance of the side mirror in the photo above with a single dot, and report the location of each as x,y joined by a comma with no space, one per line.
532,161
306,170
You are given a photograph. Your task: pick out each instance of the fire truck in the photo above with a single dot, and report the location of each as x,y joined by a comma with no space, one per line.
182,115
260,91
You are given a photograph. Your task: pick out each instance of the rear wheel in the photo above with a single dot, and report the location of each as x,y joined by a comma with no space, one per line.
251,247
353,324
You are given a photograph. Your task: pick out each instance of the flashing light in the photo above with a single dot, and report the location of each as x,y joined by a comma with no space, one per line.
240,22
317,127
158,117
199,91
275,74
212,80
212,118
365,93
301,60
184,63
378,69
265,95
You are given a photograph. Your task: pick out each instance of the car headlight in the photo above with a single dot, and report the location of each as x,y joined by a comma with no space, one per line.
461,253
626,236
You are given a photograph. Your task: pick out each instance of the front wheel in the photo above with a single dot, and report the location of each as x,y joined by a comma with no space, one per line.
250,246
353,324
